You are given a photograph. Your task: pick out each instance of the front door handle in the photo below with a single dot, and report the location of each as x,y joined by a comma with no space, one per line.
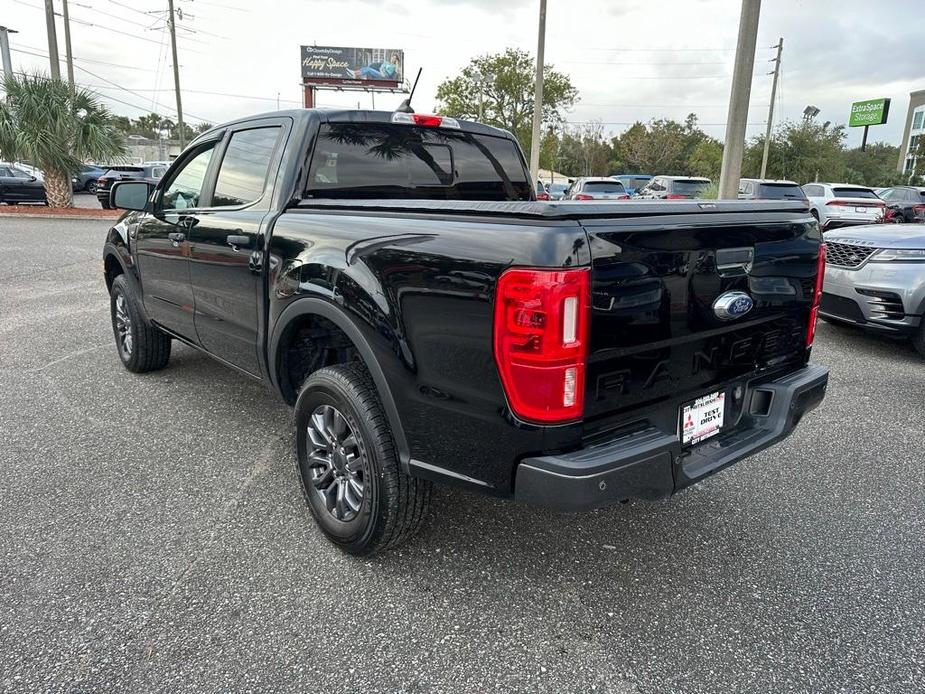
176,237
237,241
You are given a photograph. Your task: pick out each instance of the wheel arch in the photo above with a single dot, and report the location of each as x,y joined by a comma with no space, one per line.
308,307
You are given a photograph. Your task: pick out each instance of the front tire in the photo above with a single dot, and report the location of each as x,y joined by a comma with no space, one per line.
91,187
353,484
918,340
142,347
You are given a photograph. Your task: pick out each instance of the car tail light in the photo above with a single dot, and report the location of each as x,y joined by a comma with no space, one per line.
676,196
583,196
623,197
918,210
817,296
425,120
541,342
857,203
542,196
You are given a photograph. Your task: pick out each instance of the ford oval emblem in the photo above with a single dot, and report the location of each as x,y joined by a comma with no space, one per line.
732,305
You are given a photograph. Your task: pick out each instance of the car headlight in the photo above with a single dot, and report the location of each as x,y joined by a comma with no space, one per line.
898,254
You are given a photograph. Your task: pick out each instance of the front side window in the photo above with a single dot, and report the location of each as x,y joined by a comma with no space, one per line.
385,160
185,188
243,173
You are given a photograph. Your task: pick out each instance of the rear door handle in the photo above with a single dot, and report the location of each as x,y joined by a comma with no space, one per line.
237,241
177,237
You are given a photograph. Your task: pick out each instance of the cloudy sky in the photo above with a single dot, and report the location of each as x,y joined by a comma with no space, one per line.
630,60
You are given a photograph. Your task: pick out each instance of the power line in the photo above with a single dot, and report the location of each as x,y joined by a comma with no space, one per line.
84,22
80,60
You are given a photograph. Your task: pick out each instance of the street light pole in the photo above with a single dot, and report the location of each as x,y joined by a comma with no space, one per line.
737,118
5,50
538,97
52,40
767,135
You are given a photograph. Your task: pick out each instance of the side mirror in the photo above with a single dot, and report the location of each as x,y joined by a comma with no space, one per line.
131,195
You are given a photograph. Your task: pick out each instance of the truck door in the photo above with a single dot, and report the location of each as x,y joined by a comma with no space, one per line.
162,243
228,243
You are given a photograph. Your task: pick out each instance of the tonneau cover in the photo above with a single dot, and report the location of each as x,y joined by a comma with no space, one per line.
569,209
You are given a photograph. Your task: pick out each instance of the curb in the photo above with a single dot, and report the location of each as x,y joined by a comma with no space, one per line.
13,215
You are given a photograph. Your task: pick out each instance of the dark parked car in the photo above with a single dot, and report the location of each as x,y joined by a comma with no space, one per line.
595,189
86,178
150,173
556,190
18,186
904,204
673,188
429,320
770,189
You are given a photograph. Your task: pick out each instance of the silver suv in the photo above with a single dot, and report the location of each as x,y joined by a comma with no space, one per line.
875,277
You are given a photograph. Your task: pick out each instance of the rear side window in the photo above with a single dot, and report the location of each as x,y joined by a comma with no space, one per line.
865,193
382,160
243,173
605,187
781,191
688,187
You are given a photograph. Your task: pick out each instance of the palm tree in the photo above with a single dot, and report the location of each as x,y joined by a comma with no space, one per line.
46,123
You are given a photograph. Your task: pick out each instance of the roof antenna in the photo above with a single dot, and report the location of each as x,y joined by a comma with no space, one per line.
405,106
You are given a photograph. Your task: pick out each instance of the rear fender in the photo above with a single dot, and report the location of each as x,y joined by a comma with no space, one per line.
320,307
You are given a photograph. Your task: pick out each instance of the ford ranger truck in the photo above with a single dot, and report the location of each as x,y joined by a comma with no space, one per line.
392,277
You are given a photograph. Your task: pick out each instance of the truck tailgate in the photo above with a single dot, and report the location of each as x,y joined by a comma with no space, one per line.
656,336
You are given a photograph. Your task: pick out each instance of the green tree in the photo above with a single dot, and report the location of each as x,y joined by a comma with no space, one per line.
44,122
876,165
800,151
507,81
584,152
665,146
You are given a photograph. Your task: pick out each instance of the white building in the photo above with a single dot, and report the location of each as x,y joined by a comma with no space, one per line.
914,128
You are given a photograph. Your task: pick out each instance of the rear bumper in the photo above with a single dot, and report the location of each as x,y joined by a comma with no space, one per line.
652,464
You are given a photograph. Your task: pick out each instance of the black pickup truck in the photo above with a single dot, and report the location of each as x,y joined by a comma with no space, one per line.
392,276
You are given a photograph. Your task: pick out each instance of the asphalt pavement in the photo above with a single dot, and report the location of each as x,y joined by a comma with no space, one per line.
153,539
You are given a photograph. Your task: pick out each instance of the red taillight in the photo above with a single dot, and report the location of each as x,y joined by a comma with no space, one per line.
425,120
542,196
541,342
817,296
583,196
623,197
101,179
676,196
849,203
918,210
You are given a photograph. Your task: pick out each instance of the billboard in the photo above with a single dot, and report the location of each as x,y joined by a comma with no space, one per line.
354,67
870,112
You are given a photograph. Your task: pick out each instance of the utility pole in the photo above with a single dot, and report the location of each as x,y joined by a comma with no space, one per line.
5,50
767,135
538,98
737,118
172,25
52,39
67,44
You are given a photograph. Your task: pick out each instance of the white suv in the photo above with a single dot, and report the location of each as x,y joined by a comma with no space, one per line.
843,204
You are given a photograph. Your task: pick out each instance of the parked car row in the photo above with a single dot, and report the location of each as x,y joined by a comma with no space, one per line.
152,172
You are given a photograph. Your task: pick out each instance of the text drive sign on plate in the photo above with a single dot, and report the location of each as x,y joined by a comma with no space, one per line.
702,418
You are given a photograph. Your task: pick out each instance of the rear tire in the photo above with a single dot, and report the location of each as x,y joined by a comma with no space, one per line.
105,205
348,467
91,187
142,347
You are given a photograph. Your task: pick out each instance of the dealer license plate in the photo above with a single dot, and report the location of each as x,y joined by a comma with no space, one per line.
702,418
